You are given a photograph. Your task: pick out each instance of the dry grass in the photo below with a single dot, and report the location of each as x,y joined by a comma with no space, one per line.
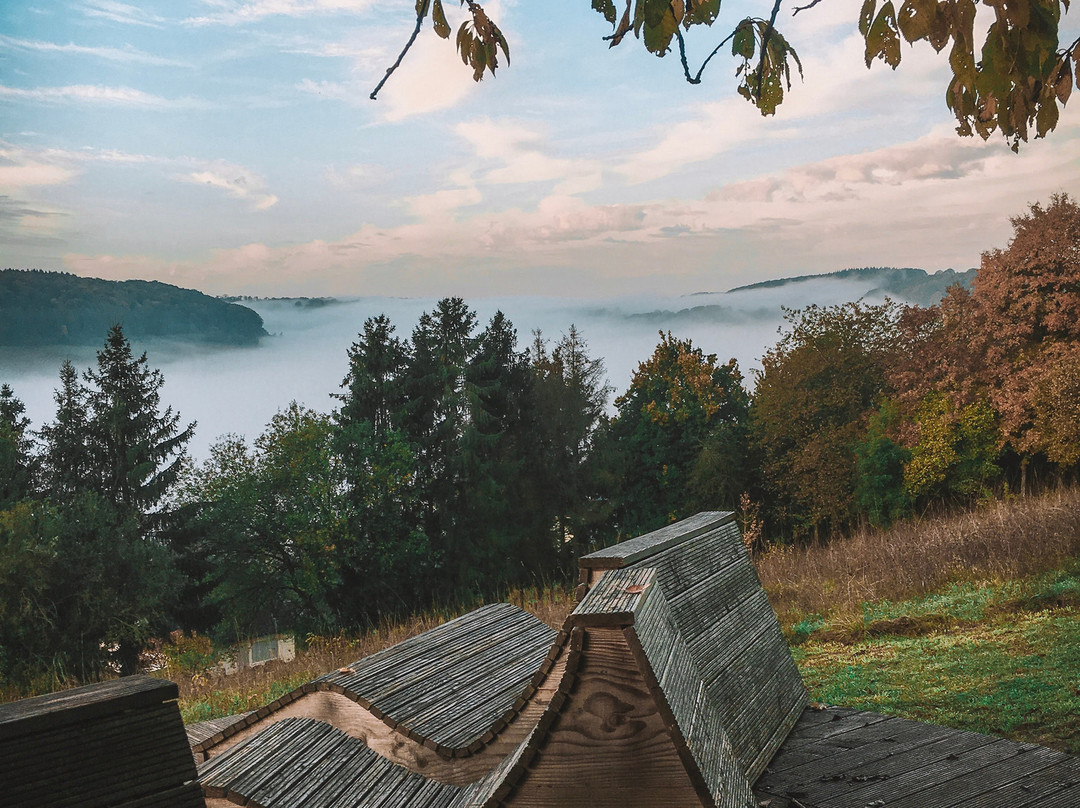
997,542
203,696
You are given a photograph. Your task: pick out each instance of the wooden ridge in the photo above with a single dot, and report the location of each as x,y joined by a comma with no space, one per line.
642,547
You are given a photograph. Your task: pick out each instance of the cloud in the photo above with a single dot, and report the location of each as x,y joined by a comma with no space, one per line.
236,13
125,55
121,13
95,94
27,169
31,174
934,202
523,154
235,181
836,81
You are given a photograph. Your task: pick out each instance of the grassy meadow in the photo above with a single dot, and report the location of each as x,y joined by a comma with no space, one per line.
969,620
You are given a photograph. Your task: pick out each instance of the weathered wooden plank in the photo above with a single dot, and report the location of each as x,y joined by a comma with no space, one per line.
81,764
1012,762
642,547
614,599
188,795
327,789
279,763
318,766
217,774
894,777
876,742
1056,785
609,745
91,702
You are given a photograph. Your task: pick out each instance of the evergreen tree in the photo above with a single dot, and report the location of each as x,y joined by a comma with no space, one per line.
374,389
135,449
67,460
16,450
502,534
390,559
434,419
571,392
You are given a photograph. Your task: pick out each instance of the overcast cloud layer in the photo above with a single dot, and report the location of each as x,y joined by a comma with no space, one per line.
230,146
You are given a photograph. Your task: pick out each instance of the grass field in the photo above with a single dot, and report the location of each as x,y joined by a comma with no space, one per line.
1002,659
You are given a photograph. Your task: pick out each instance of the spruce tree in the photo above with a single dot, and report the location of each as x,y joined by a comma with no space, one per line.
16,458
67,460
136,449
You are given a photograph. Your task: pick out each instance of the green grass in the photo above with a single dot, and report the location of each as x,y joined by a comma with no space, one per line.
994,657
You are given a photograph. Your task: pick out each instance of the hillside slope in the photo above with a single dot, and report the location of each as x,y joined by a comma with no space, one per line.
39,308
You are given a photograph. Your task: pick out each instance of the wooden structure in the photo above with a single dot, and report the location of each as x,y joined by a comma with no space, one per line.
669,685
119,744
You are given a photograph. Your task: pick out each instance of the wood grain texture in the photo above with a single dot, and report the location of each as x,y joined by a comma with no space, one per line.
609,744
119,743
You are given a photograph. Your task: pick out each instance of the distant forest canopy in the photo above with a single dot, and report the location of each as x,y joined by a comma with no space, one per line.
296,302
460,462
42,308
912,285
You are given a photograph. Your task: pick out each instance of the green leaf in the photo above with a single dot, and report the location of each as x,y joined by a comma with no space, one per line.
915,18
742,43
607,8
883,39
438,18
502,43
422,8
701,12
659,27
1047,117
866,17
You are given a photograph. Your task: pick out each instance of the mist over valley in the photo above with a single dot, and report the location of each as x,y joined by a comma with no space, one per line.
237,389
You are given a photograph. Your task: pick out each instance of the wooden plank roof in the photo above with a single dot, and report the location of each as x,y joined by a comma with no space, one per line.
642,547
451,683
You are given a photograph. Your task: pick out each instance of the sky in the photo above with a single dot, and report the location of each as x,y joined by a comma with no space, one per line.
230,146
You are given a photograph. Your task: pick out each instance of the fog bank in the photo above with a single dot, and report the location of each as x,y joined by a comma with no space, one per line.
238,390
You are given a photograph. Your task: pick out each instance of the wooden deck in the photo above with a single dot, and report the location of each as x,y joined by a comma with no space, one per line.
840,758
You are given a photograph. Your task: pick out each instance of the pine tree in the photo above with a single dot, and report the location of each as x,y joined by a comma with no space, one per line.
136,450
67,460
16,458
435,415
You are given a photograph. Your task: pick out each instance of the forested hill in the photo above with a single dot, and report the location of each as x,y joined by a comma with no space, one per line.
39,308
910,285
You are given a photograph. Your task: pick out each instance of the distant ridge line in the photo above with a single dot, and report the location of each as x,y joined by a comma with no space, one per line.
910,274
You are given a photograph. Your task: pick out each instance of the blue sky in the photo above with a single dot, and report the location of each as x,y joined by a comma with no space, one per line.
230,146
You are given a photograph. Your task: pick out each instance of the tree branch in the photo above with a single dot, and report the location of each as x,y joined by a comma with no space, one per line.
395,65
765,45
682,55
811,4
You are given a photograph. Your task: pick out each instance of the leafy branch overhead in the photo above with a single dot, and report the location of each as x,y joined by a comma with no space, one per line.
478,38
1009,79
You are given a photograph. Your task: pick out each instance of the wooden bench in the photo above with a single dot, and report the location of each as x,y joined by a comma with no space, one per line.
669,685
119,744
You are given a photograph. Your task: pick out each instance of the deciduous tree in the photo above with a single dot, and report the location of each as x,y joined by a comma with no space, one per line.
1010,77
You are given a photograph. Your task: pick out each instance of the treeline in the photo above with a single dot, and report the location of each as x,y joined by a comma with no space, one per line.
458,462
39,308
